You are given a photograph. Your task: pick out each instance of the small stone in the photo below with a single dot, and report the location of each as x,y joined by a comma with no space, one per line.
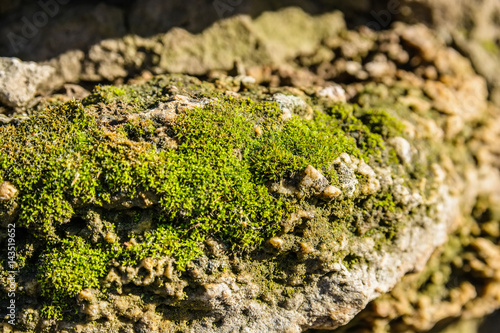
347,179
87,295
258,130
371,187
312,173
276,242
353,67
346,158
286,114
402,147
306,248
7,191
380,67
334,93
19,81
246,81
331,192
110,237
148,263
365,170
283,188
291,105
93,311
214,290
313,178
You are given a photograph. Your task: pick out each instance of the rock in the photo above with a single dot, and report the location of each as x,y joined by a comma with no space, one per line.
333,92
371,187
276,242
291,105
19,81
347,178
144,255
331,192
7,191
365,170
403,148
190,199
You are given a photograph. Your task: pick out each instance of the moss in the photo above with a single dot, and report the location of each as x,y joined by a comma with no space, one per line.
367,127
138,129
165,241
386,203
67,269
350,260
283,152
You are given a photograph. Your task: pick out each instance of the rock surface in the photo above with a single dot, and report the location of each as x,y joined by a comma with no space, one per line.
19,81
361,221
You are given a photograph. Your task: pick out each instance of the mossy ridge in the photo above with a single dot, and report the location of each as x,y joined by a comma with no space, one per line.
215,174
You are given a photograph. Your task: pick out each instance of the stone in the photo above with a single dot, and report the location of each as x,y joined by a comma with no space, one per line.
313,179
7,191
19,81
291,105
403,148
347,178
331,192
333,92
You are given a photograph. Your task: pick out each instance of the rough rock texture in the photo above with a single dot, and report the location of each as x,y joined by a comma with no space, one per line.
471,26
19,81
423,174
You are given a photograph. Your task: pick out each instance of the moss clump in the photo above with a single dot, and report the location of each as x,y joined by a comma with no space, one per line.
368,128
71,267
281,152
162,242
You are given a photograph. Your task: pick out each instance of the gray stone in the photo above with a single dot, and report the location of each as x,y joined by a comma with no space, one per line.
19,81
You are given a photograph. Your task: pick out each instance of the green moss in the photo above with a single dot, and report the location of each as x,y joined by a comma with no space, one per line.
165,241
138,129
69,268
367,127
281,152
491,46
54,312
350,260
385,202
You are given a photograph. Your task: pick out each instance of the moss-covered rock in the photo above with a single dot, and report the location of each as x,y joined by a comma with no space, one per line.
172,204
166,187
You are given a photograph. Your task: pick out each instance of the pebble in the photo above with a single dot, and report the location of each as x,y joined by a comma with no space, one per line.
347,179
331,191
7,191
313,178
371,187
291,105
19,81
402,147
276,242
334,93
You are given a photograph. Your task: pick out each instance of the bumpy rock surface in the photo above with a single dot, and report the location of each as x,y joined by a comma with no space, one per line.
19,81
259,201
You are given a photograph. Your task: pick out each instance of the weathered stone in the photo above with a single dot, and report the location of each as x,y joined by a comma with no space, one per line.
19,81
